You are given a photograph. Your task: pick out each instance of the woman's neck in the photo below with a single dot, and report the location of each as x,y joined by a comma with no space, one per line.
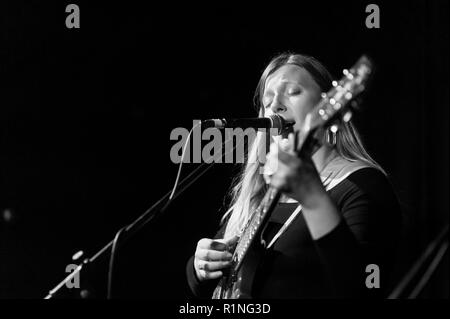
323,156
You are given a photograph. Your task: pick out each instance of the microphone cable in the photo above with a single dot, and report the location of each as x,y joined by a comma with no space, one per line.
172,196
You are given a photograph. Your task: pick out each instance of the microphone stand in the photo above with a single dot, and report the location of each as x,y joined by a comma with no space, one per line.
415,280
127,231
150,214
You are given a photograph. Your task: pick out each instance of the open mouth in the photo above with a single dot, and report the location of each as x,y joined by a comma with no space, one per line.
288,128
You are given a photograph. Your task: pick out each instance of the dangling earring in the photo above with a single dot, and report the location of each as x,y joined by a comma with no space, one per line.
331,135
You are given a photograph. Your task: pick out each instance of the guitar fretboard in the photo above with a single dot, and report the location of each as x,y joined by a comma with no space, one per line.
252,227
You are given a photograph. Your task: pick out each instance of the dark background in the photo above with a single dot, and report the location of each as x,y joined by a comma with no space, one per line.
86,115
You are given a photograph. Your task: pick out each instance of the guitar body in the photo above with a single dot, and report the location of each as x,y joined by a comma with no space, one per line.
239,284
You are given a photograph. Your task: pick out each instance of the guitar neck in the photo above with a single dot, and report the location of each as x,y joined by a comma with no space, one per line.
258,219
268,204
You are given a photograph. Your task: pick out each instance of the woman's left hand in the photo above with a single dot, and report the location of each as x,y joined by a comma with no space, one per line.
296,177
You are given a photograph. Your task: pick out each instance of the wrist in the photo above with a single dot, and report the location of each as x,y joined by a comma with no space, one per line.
311,196
317,200
321,216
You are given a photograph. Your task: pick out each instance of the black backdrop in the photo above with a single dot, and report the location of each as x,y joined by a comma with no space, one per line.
86,116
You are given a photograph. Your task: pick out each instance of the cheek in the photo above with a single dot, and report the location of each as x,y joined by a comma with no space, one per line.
301,106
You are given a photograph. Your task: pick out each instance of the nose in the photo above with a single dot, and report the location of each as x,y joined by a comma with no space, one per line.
277,106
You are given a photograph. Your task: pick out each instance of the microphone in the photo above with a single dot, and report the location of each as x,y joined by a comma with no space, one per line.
273,121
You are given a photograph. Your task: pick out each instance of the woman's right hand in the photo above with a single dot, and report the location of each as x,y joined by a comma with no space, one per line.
211,256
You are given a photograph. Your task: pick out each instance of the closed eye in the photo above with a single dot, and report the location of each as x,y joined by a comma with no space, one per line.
295,92
267,105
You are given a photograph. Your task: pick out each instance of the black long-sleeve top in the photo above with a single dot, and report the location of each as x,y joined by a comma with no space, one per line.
333,266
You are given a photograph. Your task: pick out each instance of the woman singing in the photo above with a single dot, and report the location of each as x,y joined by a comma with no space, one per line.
340,215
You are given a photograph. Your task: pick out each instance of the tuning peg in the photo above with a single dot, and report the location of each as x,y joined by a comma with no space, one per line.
323,95
334,83
347,116
348,74
337,106
77,255
334,128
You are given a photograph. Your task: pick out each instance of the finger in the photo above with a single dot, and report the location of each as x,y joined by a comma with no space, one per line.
283,161
211,275
285,145
273,148
211,266
218,244
280,182
277,182
231,240
271,164
212,255
206,243
271,156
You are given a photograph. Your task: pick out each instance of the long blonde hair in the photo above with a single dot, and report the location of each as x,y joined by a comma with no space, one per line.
249,186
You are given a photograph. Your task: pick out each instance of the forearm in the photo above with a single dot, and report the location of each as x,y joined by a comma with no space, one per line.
321,215
339,251
342,258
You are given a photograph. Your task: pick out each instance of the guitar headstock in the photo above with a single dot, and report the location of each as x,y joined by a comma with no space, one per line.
337,102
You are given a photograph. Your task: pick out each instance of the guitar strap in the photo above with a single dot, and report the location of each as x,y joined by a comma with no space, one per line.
329,186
